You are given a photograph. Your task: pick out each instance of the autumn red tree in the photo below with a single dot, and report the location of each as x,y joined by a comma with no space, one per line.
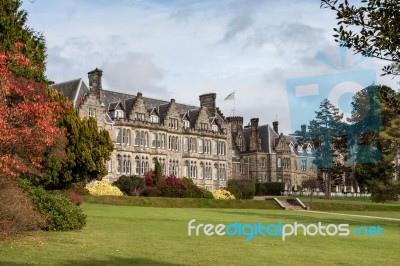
28,117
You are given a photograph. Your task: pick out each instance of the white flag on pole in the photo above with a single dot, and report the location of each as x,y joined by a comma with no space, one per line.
230,97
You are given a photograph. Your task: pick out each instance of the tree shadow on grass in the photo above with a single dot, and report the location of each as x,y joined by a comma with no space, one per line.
113,260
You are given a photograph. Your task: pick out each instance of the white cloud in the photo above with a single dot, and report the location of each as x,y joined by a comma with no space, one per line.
181,49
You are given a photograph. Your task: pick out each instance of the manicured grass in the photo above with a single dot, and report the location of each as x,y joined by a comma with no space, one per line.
129,235
182,202
348,204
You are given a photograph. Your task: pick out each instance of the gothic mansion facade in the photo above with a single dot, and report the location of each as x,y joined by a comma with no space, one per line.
197,142
188,141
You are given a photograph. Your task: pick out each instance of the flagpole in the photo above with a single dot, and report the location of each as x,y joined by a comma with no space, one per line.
234,102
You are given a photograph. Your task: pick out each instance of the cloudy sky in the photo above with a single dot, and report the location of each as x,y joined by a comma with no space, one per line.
183,48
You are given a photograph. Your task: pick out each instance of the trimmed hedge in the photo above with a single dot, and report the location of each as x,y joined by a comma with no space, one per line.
130,185
241,188
270,188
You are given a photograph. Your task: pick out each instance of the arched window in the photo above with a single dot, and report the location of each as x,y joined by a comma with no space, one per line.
137,138
128,165
141,138
146,139
153,140
240,143
128,137
163,141
194,144
215,174
143,167
119,163
200,146
185,144
201,175
177,143
137,165
124,136
119,135
124,165
186,169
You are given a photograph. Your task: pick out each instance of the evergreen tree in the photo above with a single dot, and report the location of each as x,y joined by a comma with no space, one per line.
157,172
328,134
16,35
371,106
81,156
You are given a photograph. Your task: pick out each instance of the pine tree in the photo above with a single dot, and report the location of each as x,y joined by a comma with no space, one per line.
327,133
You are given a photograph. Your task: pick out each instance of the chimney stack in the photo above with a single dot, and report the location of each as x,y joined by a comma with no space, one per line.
208,100
236,124
275,126
95,78
303,129
254,134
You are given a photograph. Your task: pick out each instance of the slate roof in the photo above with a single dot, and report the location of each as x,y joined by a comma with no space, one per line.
74,90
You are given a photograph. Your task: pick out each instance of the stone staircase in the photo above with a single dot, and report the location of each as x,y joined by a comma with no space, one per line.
291,204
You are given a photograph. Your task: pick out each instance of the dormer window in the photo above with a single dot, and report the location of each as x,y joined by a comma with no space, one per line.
119,114
308,148
154,119
139,116
173,123
214,128
92,112
291,146
299,149
203,126
186,124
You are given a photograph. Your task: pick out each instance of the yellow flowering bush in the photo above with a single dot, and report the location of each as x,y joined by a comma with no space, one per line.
222,194
104,188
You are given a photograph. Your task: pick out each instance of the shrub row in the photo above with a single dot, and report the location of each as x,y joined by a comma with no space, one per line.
241,188
166,186
270,188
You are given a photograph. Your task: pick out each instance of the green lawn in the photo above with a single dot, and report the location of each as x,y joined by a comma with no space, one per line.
128,235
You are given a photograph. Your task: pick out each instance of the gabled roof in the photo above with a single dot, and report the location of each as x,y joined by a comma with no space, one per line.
113,106
193,114
74,90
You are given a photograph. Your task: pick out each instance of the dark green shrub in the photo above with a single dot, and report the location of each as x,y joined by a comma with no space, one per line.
382,192
261,189
246,187
206,193
151,192
235,191
131,185
274,188
61,213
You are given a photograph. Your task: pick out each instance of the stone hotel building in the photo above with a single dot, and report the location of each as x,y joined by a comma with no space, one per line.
197,142
188,141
